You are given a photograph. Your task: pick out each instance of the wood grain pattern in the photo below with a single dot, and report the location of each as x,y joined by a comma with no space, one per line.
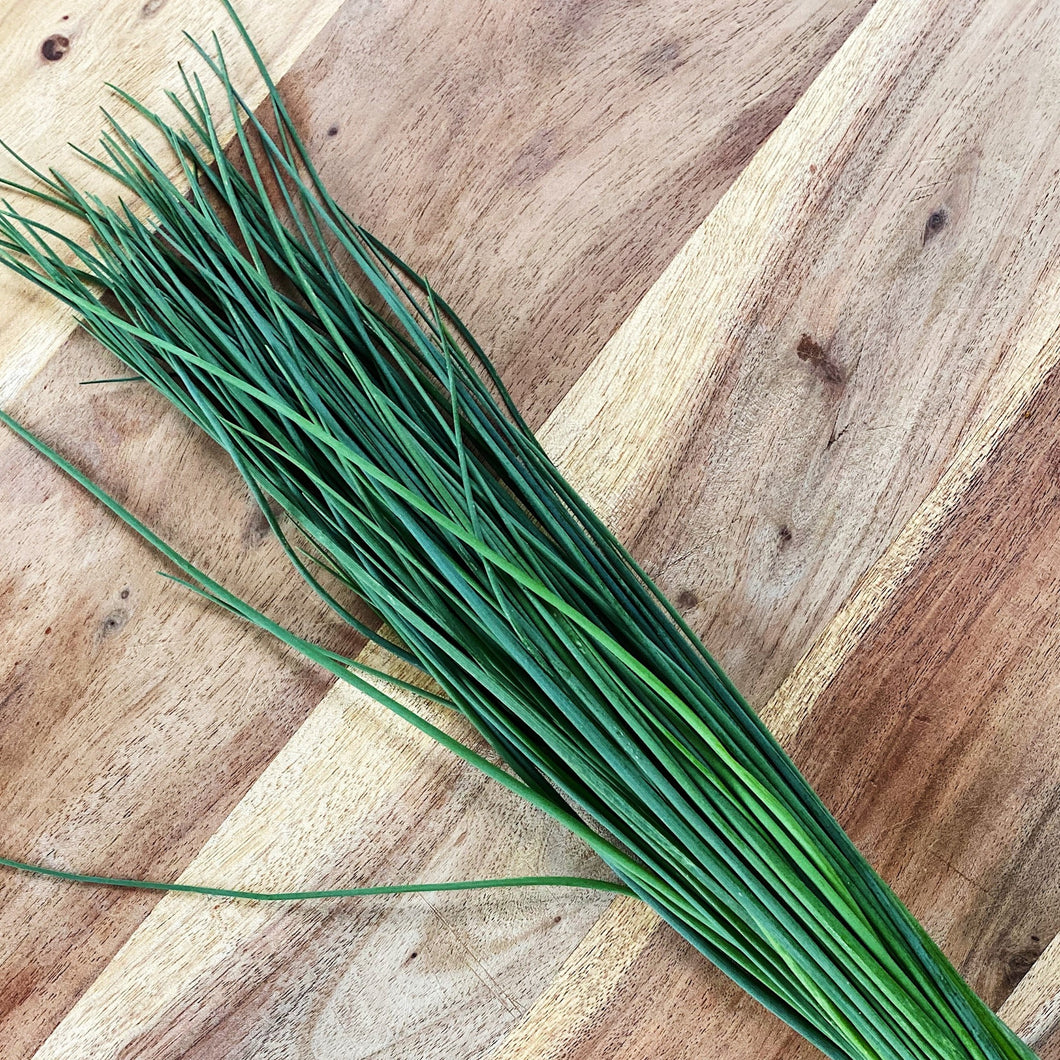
898,229
546,161
327,805
114,679
759,480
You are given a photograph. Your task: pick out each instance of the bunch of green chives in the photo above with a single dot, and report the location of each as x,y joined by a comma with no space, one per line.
352,399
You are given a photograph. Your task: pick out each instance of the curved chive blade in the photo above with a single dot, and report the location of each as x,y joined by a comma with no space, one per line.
300,896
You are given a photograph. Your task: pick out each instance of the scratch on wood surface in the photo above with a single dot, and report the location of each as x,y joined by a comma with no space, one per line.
472,961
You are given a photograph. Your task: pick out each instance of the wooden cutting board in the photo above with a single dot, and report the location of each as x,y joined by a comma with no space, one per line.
778,283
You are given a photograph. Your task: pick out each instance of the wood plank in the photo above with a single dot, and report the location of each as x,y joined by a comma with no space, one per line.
349,780
889,92
231,701
1033,1008
754,482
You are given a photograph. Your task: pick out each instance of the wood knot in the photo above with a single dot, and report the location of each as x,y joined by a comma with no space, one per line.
935,223
114,622
55,47
1016,965
813,353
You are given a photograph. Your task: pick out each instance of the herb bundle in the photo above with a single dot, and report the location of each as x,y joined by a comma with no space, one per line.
353,400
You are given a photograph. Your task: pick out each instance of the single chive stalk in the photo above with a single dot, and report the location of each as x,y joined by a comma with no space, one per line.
365,412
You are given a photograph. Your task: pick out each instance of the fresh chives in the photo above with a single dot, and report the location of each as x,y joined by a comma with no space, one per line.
351,397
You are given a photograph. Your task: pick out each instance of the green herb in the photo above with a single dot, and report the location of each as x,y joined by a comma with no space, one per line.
351,398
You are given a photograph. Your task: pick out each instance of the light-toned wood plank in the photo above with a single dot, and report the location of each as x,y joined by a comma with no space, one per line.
168,758
756,483
1033,1008
589,981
